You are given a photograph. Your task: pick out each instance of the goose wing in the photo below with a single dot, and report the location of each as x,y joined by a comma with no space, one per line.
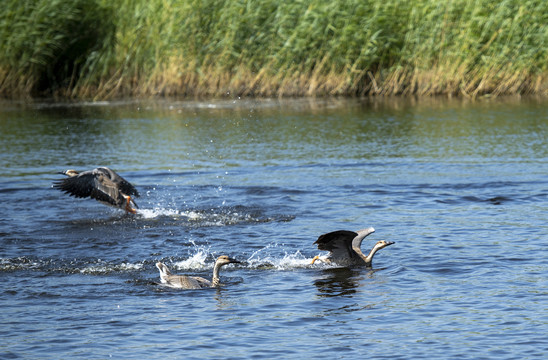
338,243
128,189
203,282
123,185
93,184
182,281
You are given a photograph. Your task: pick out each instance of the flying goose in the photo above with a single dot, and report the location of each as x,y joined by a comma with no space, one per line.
101,184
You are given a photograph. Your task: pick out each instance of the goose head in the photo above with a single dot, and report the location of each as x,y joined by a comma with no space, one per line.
70,172
382,244
224,260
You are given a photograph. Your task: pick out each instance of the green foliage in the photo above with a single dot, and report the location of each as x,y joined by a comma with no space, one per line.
100,48
47,42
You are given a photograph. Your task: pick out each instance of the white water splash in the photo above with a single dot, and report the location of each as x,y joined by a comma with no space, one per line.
153,213
288,261
292,261
102,268
204,259
158,212
195,262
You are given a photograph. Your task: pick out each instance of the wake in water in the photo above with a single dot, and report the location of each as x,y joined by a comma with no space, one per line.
203,259
75,266
159,212
219,216
270,257
199,259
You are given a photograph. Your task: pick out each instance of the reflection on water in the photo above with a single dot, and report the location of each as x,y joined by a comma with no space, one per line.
343,281
338,282
189,136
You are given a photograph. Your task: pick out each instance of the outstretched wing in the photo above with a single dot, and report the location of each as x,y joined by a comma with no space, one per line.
339,243
123,185
127,188
92,184
79,186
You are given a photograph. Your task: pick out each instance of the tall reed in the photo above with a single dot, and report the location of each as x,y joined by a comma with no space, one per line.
103,49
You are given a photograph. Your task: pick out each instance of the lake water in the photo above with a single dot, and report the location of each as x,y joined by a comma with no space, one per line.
461,187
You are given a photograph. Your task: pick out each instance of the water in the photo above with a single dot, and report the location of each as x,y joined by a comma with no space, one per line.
460,187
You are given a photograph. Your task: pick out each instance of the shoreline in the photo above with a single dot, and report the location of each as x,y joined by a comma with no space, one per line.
101,50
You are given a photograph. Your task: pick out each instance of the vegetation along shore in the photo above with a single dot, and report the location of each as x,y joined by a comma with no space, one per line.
103,49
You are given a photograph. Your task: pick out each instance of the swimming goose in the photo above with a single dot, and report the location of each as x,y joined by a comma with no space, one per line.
101,184
193,282
344,247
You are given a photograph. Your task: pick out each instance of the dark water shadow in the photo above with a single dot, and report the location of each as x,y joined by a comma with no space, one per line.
341,281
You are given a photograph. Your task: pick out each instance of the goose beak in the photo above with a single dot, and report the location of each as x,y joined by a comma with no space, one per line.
234,261
388,243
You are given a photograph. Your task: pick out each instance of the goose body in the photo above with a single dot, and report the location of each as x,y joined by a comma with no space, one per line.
193,282
344,247
101,184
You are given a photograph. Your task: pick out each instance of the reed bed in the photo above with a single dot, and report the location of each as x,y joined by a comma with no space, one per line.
103,49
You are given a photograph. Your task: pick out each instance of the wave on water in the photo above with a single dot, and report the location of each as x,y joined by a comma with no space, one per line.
273,257
159,212
219,216
198,261
105,268
288,261
203,259
75,266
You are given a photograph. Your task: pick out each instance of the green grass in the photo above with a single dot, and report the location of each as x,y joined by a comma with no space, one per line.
102,49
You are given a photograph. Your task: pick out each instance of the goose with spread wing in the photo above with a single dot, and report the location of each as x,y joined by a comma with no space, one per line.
344,247
101,184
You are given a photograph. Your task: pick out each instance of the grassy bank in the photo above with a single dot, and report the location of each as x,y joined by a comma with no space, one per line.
112,48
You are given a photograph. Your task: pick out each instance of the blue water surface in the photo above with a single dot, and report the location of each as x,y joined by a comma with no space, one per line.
461,187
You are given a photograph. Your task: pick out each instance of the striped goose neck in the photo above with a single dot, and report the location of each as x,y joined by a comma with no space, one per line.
216,281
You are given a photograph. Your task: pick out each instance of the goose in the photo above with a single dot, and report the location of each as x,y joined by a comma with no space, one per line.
101,184
344,247
193,282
